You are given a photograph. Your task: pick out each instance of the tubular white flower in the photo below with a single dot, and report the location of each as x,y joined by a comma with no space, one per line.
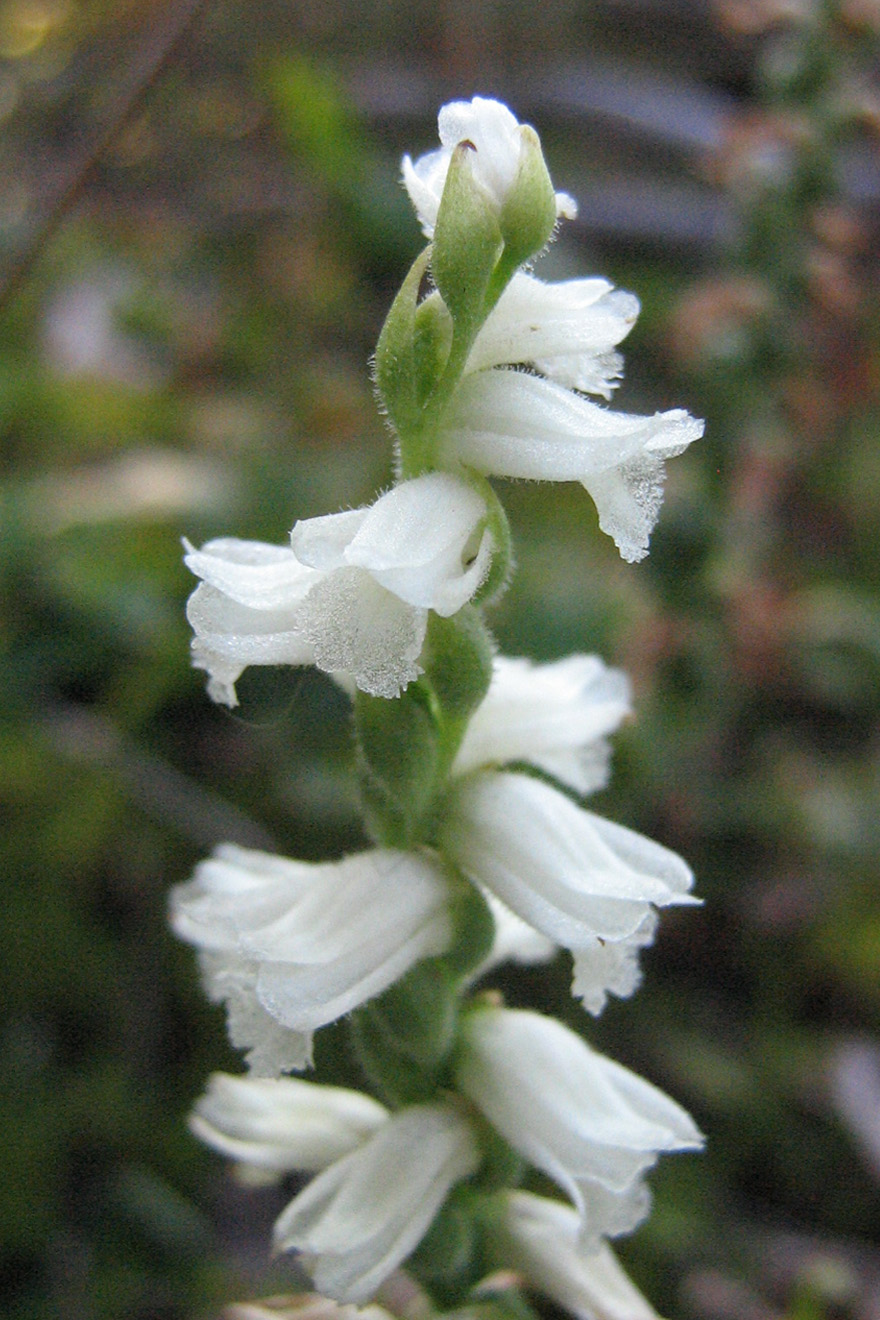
590,1124
544,1239
360,1218
351,596
283,1124
568,331
553,716
307,942
517,425
496,137
575,877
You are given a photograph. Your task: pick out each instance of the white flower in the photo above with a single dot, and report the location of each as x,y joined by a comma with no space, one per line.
554,716
495,134
543,1238
590,1124
292,945
584,882
353,593
283,1124
360,1218
569,331
517,425
303,1306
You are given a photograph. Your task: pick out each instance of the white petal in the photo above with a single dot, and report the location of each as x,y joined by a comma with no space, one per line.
252,636
284,1124
426,541
494,132
245,610
544,1238
568,873
357,1221
321,543
424,181
518,425
571,1112
554,716
514,940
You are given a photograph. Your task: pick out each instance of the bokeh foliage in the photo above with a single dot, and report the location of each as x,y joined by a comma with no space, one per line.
202,230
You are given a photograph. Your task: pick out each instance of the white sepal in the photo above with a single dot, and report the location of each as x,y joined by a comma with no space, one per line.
553,716
244,611
360,1218
495,134
543,1238
283,1124
590,1124
516,425
569,331
316,939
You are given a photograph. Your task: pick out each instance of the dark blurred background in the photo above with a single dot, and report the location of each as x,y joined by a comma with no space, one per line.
201,230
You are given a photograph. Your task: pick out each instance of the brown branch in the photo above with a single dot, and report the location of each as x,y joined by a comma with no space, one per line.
163,36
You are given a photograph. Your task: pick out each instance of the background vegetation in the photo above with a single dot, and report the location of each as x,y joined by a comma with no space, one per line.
200,233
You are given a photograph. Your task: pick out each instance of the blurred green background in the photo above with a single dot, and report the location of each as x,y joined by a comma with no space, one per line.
201,229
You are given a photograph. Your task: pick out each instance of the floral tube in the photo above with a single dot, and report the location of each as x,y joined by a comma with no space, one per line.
590,1124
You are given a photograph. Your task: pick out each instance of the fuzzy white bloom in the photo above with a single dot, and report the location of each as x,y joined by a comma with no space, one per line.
589,1123
283,1124
544,1238
292,946
584,882
360,1218
569,331
517,425
554,716
351,595
496,136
